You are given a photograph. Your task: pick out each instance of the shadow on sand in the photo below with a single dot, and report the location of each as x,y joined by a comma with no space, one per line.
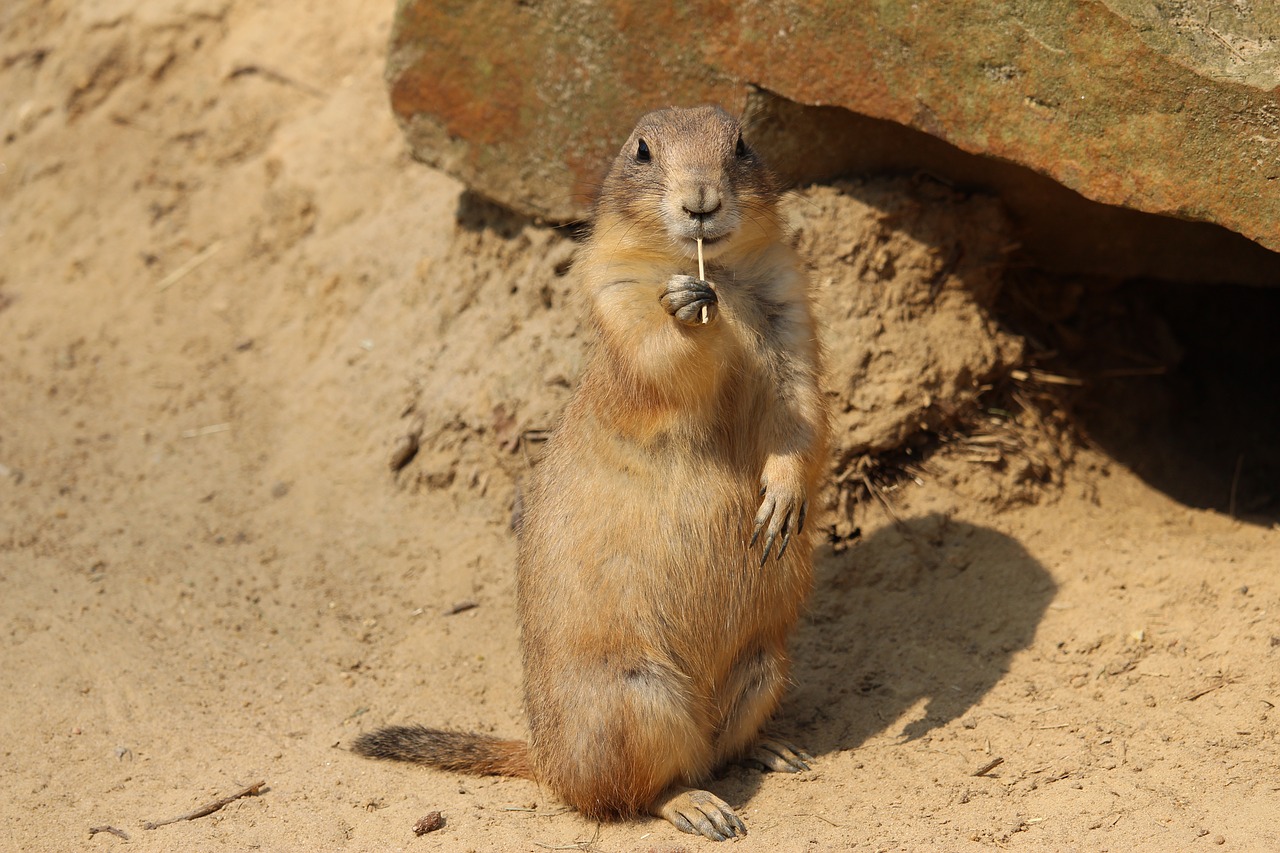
927,609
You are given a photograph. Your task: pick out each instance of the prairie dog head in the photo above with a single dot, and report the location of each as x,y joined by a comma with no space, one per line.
688,173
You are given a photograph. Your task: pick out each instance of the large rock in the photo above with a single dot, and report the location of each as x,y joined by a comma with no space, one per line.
1165,108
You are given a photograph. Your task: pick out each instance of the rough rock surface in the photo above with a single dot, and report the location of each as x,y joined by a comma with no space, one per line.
1163,107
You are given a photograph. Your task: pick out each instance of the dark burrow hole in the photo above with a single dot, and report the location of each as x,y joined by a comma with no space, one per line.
1169,326
1180,382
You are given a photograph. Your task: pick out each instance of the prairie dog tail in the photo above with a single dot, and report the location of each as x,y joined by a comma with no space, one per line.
465,752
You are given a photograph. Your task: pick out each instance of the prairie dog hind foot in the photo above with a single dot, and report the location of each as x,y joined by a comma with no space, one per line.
778,756
700,813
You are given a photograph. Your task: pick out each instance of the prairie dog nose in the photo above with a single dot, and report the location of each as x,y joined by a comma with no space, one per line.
702,203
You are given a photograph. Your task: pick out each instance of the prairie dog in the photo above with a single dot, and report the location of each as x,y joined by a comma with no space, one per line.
664,556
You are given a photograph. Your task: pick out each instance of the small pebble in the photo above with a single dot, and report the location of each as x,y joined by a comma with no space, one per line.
429,822
405,449
461,607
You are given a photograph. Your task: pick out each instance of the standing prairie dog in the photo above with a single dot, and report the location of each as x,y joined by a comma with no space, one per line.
663,552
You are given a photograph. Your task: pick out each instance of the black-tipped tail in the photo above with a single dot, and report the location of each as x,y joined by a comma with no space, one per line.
464,752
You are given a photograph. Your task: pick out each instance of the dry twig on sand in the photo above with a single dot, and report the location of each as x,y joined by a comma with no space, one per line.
209,808
173,277
988,767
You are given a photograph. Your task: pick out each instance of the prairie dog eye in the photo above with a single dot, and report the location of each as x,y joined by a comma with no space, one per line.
741,150
642,152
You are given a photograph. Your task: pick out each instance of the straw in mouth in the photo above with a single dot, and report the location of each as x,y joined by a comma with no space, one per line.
702,276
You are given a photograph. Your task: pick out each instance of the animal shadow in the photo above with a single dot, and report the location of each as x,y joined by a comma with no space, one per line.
929,608
926,609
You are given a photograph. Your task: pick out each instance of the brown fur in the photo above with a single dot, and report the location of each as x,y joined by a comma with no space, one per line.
461,751
654,640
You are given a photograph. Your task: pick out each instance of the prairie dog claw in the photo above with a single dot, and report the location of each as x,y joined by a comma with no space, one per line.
777,513
701,813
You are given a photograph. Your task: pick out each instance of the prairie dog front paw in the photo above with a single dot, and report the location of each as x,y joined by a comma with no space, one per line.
783,505
690,300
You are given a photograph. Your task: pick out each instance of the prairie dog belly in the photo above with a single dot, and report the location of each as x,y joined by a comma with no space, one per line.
652,557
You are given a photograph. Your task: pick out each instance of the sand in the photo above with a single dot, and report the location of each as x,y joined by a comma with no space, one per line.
229,302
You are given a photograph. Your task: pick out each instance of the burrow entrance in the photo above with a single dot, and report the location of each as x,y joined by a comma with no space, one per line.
1165,334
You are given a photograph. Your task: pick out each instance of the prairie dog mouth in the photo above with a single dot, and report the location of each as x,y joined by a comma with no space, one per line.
711,246
715,232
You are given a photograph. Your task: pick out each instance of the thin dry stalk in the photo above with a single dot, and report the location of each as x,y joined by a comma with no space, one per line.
208,808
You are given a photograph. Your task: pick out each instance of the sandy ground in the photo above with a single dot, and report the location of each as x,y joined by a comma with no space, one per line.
227,297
